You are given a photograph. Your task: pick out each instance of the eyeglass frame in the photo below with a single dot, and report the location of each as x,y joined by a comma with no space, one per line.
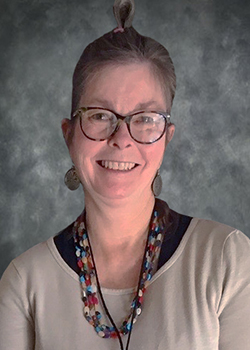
126,119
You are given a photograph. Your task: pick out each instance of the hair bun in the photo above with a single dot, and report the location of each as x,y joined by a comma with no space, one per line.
124,11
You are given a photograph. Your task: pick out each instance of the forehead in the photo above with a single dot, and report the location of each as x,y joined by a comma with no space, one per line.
124,88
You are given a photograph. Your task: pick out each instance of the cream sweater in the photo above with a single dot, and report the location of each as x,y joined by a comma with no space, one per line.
198,300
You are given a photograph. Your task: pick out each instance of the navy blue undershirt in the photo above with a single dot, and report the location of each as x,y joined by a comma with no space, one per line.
172,238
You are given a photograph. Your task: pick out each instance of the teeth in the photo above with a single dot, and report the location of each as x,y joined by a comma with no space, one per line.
117,165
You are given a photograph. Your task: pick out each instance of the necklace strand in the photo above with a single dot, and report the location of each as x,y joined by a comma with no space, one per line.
107,311
90,283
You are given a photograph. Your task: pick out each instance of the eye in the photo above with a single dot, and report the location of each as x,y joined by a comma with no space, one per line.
143,120
100,117
147,120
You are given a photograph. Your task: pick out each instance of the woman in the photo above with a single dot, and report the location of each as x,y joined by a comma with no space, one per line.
129,273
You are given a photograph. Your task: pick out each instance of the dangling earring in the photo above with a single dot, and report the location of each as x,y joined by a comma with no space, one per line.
157,184
71,179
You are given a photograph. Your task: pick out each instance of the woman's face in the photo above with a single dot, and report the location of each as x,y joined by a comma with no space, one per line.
124,89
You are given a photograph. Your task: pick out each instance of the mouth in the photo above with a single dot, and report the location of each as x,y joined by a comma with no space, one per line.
122,166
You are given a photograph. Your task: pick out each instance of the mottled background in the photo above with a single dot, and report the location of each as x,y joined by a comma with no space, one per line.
206,170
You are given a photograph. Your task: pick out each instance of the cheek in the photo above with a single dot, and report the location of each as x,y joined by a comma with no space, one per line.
160,147
83,151
154,155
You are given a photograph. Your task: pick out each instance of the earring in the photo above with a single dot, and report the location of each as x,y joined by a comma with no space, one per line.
157,184
71,179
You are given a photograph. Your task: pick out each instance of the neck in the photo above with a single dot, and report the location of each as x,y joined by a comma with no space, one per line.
116,226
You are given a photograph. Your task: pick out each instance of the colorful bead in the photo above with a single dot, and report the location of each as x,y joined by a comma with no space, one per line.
101,334
138,311
80,264
128,326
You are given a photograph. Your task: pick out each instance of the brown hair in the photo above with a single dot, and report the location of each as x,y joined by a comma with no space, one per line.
126,46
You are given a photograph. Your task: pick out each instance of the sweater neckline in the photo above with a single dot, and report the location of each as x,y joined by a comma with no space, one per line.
60,261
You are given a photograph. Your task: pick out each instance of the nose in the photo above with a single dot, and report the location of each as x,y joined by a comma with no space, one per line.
121,138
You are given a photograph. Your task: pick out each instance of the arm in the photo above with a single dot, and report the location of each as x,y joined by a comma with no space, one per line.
234,309
16,325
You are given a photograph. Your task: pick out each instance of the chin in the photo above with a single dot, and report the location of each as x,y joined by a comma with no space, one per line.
111,193
116,195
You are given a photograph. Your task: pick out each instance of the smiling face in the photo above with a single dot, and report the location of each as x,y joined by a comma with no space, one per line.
118,167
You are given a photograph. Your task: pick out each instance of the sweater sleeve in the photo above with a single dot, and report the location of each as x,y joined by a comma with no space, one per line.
16,326
234,308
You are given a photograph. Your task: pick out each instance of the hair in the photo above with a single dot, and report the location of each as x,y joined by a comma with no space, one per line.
120,47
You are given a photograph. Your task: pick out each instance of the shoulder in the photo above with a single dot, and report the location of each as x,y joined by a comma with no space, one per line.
209,230
45,252
25,274
210,241
39,252
32,259
37,260
221,255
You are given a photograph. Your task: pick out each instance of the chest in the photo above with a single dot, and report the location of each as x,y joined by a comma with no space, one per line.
173,317
120,273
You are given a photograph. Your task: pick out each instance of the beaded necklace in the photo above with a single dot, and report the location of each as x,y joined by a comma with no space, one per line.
90,285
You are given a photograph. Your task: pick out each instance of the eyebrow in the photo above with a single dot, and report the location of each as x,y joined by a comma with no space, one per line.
139,107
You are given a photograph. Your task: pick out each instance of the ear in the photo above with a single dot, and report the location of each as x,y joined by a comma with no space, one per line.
170,133
67,130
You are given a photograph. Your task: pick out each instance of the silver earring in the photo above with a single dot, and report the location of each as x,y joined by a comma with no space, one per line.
157,184
71,179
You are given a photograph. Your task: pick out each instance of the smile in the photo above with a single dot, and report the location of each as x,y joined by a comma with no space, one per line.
117,165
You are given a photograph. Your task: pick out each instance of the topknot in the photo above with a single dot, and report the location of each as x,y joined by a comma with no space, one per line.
124,11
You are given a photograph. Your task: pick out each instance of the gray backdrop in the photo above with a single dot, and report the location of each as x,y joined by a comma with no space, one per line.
207,166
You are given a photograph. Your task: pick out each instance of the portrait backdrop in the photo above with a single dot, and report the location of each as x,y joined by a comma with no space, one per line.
206,169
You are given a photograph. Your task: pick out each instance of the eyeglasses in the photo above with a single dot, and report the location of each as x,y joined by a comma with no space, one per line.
99,124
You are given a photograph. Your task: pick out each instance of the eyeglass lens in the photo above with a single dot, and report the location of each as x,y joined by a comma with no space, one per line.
145,127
